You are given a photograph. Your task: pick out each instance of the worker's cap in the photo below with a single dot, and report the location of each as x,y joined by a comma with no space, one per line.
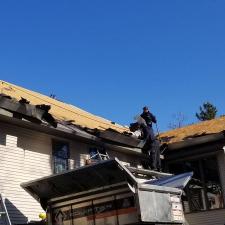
145,108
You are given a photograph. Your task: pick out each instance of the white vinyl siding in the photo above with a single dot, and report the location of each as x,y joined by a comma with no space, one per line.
21,165
213,217
27,155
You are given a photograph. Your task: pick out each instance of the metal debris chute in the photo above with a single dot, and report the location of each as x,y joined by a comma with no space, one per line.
103,174
105,193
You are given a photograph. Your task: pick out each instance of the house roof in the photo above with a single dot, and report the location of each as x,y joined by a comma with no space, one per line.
188,132
66,112
60,110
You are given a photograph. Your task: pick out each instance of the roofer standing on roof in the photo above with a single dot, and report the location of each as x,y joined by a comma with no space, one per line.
148,117
154,149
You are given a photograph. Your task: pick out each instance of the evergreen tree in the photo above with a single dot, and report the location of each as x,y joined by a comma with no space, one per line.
207,112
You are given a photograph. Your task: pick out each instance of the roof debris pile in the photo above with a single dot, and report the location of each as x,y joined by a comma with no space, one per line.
61,111
22,109
33,107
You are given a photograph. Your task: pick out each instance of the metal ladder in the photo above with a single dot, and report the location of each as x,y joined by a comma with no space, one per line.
101,156
4,216
147,174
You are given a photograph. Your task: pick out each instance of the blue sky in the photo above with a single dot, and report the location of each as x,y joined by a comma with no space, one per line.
113,57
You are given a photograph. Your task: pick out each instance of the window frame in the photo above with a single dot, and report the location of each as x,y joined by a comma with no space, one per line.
54,142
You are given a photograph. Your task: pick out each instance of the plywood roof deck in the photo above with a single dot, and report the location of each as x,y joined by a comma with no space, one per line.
199,129
61,110
64,111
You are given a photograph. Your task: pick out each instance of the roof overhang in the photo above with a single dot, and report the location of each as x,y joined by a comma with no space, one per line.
64,132
37,117
197,141
199,146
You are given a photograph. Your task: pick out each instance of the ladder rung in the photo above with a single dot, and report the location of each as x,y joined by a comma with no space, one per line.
148,172
4,212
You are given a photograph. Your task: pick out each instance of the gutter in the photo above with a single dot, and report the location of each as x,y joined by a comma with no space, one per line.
65,132
197,141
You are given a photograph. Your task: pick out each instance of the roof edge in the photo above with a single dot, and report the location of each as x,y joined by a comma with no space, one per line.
197,141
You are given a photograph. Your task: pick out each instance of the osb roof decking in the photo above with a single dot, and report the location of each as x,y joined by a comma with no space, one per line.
64,111
203,128
60,110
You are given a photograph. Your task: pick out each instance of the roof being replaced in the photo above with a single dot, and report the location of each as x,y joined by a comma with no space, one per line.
60,110
196,130
64,112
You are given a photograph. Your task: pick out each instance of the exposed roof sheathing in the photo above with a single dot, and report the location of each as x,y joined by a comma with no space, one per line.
66,112
200,129
60,110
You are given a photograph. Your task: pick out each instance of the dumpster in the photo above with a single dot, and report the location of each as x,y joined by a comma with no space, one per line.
105,193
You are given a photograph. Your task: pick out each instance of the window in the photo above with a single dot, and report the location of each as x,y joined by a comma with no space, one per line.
204,191
60,156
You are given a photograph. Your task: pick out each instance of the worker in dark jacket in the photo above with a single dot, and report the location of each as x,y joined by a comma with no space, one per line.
152,142
148,117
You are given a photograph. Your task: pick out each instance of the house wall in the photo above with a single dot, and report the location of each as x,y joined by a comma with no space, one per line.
131,160
213,217
27,155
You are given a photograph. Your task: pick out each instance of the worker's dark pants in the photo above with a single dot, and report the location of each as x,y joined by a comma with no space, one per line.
148,133
154,153
154,148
